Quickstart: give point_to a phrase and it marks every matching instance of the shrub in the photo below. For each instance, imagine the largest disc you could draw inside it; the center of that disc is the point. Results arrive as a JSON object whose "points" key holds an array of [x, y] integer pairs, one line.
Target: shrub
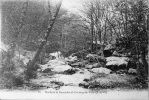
{"points": [[30, 72], [11, 71], [9, 75]]}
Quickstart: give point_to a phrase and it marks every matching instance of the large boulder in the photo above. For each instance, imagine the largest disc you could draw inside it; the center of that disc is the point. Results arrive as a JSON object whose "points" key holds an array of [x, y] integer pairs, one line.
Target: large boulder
{"points": [[56, 65], [101, 70], [110, 81], [132, 71], [109, 47], [113, 58], [90, 66], [115, 53], [61, 68], [115, 63], [95, 57], [56, 62]]}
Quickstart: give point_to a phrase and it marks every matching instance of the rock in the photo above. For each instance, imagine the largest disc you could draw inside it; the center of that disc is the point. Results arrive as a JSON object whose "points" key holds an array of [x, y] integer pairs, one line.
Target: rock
{"points": [[86, 80], [95, 65], [61, 68], [115, 53], [95, 57], [56, 62], [84, 84], [109, 47], [101, 70], [43, 67], [88, 66], [117, 62], [77, 64], [56, 65], [121, 71], [57, 83], [47, 70], [81, 72], [132, 71], [101, 58], [71, 59], [73, 79], [113, 58], [93, 86], [70, 71]]}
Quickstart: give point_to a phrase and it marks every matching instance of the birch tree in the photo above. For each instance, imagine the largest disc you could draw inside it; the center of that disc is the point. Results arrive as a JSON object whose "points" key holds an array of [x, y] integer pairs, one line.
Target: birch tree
{"points": [[51, 23]]}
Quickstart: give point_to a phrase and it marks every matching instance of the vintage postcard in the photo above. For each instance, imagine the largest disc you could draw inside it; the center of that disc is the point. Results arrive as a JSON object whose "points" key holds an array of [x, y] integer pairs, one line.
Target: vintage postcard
{"points": [[74, 49]]}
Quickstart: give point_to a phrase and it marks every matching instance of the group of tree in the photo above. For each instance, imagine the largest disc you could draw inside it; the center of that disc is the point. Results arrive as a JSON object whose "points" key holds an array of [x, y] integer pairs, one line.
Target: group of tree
{"points": [[39, 26], [46, 27], [123, 21]]}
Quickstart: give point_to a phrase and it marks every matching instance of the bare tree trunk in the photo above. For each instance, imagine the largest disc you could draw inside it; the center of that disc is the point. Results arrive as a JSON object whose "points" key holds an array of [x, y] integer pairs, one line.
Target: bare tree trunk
{"points": [[144, 62], [96, 44], [46, 37], [92, 27], [65, 41], [148, 40], [111, 35], [92, 31], [104, 38], [61, 39]]}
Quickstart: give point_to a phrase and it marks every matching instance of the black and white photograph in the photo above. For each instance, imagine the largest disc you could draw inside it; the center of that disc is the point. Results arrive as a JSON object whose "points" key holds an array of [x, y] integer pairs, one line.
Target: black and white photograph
{"points": [[74, 49]]}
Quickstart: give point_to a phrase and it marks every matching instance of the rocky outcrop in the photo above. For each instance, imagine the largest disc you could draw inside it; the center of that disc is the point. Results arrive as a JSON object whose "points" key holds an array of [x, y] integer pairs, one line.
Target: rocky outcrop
{"points": [[56, 65], [115, 63]]}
